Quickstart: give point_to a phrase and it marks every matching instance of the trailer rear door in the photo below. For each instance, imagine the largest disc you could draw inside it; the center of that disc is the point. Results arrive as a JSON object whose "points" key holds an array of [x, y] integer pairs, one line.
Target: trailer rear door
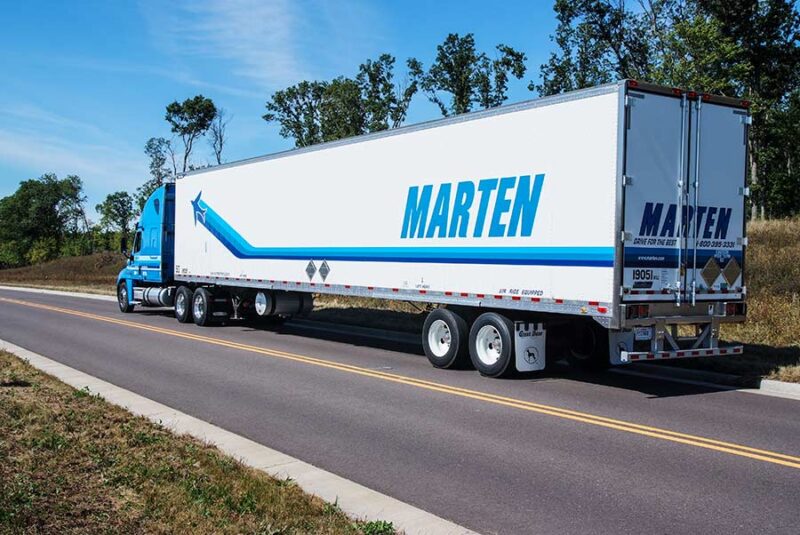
{"points": [[655, 166], [683, 237], [715, 198]]}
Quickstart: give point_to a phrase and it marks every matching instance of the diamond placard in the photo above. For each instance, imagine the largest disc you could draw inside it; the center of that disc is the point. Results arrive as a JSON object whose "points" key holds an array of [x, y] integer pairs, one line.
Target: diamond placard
{"points": [[311, 269], [711, 271]]}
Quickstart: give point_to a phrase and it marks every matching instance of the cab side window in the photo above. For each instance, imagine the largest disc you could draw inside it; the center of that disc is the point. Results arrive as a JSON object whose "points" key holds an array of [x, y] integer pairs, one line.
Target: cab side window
{"points": [[137, 243]]}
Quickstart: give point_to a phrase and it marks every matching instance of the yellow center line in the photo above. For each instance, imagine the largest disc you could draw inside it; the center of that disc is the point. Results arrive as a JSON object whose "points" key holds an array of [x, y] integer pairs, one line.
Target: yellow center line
{"points": [[587, 418]]}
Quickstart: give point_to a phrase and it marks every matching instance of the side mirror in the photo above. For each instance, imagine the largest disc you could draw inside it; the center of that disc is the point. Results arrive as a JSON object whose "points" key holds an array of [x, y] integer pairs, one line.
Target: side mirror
{"points": [[123, 246]]}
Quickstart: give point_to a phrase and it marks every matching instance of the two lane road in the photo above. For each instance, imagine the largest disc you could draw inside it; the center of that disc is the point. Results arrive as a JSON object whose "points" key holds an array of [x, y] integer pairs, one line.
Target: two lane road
{"points": [[552, 454]]}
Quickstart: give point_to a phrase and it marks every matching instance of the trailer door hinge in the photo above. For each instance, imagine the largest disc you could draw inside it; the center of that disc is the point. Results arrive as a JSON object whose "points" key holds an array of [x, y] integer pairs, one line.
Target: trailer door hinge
{"points": [[626, 236], [744, 191], [741, 241], [747, 119], [627, 180]]}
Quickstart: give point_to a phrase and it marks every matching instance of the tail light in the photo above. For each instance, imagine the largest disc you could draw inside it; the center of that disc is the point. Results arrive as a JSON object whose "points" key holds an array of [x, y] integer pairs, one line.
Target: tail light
{"points": [[637, 311], [735, 309]]}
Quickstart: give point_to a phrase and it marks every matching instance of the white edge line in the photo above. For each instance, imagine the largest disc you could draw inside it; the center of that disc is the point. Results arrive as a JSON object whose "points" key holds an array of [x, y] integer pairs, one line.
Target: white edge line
{"points": [[768, 387], [357, 501], [84, 295]]}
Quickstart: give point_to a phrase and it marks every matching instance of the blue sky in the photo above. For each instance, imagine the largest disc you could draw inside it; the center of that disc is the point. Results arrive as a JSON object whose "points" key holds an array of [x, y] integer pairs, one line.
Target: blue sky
{"points": [[84, 84]]}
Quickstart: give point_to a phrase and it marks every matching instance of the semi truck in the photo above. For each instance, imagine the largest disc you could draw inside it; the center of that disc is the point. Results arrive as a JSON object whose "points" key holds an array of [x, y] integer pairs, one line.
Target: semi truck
{"points": [[605, 226]]}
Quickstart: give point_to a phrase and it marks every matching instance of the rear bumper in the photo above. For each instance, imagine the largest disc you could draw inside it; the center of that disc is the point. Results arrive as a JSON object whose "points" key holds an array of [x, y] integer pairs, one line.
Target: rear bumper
{"points": [[627, 357], [666, 338]]}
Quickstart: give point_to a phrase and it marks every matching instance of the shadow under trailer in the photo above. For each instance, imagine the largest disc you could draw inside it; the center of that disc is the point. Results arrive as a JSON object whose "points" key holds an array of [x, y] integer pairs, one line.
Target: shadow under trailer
{"points": [[605, 225]]}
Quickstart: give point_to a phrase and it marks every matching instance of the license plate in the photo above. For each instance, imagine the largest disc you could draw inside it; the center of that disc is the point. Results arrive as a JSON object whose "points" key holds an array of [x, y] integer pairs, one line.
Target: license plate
{"points": [[642, 333]]}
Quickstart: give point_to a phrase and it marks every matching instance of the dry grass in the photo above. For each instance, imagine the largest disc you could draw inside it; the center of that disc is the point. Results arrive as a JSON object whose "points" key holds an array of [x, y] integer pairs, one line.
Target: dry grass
{"points": [[771, 334], [97, 271], [72, 463]]}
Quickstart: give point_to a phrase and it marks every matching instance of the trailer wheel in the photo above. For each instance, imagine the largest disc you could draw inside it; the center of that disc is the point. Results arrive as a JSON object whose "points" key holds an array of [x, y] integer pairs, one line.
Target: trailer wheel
{"points": [[587, 347], [202, 303], [183, 304], [124, 302], [491, 345], [445, 338]]}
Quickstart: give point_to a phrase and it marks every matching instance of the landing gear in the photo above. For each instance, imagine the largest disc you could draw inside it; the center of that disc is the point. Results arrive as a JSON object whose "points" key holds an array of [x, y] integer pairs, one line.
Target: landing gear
{"points": [[445, 338]]}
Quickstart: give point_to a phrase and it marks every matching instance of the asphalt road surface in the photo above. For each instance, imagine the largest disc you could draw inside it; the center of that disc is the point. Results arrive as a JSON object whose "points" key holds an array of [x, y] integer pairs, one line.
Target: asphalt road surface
{"points": [[559, 453]]}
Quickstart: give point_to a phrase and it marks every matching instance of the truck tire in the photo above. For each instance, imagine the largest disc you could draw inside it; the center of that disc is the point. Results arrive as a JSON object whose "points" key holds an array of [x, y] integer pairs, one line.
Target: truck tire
{"points": [[202, 303], [183, 304], [491, 345], [444, 338], [587, 346], [123, 300]]}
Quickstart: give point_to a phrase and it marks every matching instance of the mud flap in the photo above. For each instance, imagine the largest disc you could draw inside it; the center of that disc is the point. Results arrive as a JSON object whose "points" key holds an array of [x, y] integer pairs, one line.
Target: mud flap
{"points": [[619, 343], [529, 341]]}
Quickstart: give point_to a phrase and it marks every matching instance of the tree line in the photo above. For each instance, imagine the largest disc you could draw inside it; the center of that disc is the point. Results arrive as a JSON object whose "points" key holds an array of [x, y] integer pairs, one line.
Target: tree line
{"points": [[740, 48]]}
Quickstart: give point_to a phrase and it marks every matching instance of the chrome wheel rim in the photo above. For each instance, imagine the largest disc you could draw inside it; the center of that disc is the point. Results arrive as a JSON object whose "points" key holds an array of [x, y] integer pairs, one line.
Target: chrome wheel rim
{"points": [[123, 295], [488, 345], [198, 306], [180, 304], [439, 338]]}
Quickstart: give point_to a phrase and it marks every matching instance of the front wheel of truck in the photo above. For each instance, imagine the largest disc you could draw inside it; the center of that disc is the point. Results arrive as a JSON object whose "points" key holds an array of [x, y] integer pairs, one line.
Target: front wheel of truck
{"points": [[123, 301]]}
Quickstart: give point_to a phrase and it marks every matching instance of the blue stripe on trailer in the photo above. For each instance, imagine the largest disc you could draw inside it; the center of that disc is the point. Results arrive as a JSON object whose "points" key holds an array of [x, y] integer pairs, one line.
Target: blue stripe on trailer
{"points": [[536, 256]]}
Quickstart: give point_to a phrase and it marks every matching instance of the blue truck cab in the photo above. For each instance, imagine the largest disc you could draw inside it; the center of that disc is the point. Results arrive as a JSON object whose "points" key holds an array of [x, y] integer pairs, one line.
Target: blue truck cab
{"points": [[148, 276]]}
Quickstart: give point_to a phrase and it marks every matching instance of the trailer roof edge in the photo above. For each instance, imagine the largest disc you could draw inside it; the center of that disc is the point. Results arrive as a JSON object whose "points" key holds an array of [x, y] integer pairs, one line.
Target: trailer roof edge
{"points": [[425, 125]]}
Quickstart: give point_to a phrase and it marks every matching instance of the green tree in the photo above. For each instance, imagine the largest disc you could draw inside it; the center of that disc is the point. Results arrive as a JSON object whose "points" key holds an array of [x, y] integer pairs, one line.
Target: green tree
{"points": [[219, 134], [767, 33], [37, 219], [163, 168], [116, 212], [190, 119], [298, 111], [385, 103], [746, 48], [470, 77], [312, 112]]}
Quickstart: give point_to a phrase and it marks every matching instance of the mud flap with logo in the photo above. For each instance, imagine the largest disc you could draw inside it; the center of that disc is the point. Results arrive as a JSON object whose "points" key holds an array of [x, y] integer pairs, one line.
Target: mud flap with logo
{"points": [[529, 341]]}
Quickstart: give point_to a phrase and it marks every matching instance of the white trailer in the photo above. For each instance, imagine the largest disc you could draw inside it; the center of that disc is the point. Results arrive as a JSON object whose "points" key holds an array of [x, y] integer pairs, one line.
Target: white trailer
{"points": [[588, 225]]}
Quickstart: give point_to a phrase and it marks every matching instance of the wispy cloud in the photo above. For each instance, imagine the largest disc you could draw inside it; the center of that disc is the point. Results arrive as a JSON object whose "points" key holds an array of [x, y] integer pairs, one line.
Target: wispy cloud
{"points": [[256, 38], [271, 43], [32, 137]]}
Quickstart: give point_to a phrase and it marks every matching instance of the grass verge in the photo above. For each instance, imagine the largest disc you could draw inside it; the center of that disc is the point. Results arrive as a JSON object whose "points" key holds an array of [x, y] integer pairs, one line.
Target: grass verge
{"points": [[771, 335], [73, 463]]}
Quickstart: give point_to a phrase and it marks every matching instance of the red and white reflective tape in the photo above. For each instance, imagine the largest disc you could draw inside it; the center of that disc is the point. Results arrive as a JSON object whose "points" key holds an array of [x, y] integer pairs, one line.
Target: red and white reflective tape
{"points": [[637, 356]]}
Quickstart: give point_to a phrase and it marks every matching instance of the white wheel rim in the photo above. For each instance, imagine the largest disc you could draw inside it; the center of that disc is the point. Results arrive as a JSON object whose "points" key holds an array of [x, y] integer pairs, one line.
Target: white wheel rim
{"points": [[198, 307], [123, 295], [439, 338], [261, 303], [180, 304], [488, 345]]}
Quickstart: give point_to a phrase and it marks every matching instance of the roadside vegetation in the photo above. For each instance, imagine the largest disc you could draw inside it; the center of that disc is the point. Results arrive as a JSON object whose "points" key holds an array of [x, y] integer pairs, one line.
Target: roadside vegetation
{"points": [[73, 463], [771, 334]]}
